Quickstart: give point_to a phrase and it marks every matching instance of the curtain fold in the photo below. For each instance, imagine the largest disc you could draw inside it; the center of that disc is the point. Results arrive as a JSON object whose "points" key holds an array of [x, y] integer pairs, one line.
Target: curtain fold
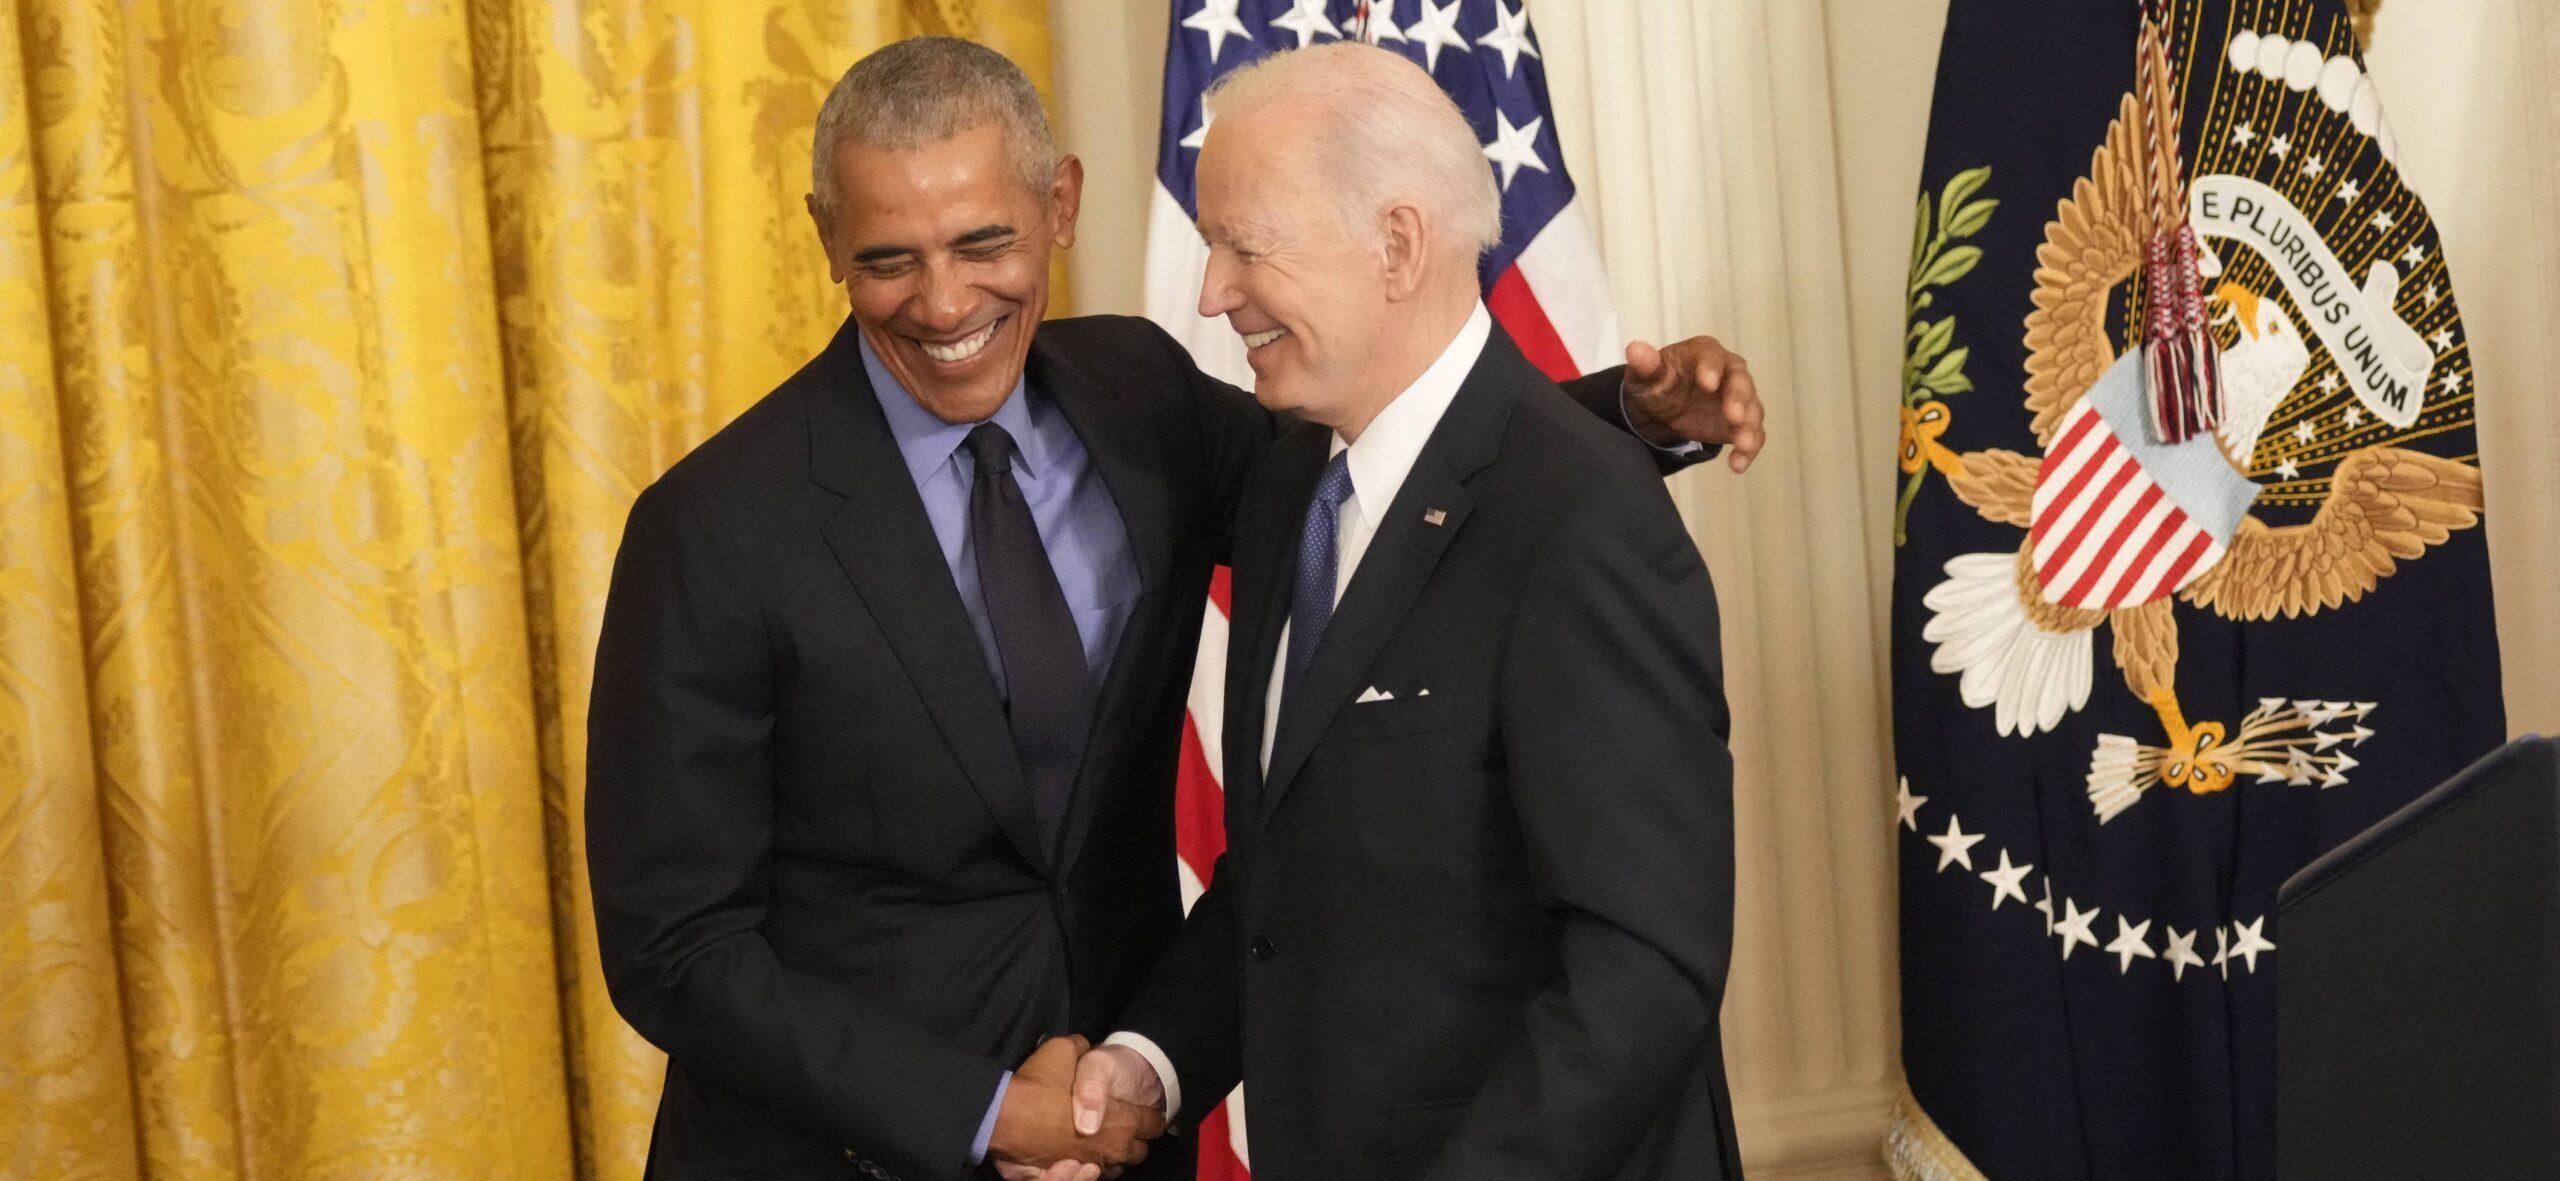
{"points": [[1702, 133], [337, 340]]}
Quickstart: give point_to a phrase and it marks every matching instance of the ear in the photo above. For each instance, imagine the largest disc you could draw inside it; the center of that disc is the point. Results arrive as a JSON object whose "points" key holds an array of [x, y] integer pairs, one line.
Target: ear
{"points": [[1066, 196], [826, 237], [1405, 243]]}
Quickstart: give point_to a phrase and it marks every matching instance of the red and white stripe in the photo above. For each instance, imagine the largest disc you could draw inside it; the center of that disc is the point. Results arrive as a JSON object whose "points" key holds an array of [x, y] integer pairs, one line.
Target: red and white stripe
{"points": [[2105, 535], [1200, 835]]}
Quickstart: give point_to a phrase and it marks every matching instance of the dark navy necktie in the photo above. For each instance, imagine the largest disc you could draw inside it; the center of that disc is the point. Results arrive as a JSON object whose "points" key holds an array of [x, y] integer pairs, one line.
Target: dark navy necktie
{"points": [[1311, 596], [1048, 688]]}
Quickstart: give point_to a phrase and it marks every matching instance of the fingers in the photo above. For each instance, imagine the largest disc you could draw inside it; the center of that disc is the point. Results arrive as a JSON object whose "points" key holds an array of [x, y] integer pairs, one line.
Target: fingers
{"points": [[1095, 1076], [1743, 409], [1017, 1171], [1065, 1170], [1644, 362], [1147, 1122], [1710, 364]]}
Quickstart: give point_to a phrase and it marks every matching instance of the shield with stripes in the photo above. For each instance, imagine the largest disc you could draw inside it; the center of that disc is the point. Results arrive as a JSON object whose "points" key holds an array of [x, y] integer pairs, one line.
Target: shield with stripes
{"points": [[2120, 519]]}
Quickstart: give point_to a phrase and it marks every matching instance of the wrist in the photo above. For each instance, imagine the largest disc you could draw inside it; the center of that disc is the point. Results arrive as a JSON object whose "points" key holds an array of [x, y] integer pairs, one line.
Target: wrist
{"points": [[1017, 1118], [1650, 429]]}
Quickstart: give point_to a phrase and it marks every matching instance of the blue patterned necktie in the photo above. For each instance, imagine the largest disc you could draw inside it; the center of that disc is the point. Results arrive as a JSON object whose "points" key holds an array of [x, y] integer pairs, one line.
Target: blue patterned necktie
{"points": [[1311, 596]]}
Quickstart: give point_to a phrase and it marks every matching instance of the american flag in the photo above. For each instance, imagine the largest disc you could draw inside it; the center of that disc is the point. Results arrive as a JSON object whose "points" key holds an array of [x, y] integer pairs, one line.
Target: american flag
{"points": [[1543, 283]]}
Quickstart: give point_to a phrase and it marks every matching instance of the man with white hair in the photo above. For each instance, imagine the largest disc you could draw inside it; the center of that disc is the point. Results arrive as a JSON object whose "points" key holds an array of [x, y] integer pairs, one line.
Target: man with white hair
{"points": [[889, 695], [1476, 905]]}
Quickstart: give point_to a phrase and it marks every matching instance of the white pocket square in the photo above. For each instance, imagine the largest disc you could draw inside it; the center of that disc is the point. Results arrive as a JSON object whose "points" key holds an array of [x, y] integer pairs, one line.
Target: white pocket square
{"points": [[1372, 693]]}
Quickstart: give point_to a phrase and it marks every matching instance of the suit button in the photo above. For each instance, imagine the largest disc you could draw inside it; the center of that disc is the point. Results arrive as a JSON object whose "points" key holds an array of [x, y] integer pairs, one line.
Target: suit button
{"points": [[1262, 949]]}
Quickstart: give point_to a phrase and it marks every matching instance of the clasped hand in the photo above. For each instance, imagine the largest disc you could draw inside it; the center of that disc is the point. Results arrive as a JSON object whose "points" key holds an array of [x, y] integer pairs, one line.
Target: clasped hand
{"points": [[1073, 1113]]}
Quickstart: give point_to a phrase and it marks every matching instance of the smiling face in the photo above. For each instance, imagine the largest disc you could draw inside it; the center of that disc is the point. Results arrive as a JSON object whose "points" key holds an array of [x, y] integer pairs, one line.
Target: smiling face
{"points": [[944, 254], [1308, 294]]}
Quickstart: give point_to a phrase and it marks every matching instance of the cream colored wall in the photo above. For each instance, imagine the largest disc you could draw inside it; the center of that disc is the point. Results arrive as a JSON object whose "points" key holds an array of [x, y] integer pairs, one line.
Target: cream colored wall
{"points": [[1775, 213], [1107, 63], [2470, 86]]}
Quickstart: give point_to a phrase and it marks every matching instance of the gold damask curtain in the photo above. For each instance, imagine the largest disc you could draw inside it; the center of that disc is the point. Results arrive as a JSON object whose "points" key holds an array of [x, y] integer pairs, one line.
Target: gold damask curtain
{"points": [[335, 339]]}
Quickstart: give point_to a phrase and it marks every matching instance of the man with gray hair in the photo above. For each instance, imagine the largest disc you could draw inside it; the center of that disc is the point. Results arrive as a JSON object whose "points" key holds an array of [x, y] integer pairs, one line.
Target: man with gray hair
{"points": [[889, 695], [1476, 905]]}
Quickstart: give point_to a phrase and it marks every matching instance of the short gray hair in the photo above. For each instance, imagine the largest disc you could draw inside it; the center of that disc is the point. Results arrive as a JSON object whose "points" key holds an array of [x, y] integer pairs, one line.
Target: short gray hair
{"points": [[1390, 134], [924, 90]]}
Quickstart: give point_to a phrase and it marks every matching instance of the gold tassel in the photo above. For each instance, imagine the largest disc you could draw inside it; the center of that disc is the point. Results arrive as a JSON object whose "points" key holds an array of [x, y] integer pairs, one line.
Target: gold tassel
{"points": [[2361, 12]]}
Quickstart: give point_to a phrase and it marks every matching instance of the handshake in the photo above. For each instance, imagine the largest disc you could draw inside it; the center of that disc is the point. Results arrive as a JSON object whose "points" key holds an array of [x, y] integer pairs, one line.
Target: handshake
{"points": [[1074, 1113]]}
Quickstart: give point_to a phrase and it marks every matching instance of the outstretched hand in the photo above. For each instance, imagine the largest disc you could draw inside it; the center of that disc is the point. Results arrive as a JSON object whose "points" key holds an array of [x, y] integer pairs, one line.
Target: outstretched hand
{"points": [[1036, 1136], [1114, 1077], [1699, 391]]}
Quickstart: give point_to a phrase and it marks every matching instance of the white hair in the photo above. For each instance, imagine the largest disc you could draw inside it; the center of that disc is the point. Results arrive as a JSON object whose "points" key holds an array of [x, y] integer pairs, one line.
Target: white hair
{"points": [[924, 90], [1390, 134]]}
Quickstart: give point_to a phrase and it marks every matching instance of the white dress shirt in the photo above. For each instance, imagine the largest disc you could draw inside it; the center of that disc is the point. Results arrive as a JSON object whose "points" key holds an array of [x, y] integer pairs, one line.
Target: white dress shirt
{"points": [[1378, 463]]}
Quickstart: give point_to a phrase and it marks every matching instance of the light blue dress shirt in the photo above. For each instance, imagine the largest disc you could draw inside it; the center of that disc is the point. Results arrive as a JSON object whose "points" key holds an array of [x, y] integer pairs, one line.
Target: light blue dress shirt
{"points": [[1079, 525], [1071, 507]]}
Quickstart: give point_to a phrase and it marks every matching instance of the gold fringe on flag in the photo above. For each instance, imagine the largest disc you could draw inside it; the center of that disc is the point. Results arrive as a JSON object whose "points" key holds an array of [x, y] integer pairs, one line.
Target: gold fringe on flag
{"points": [[1916, 1150], [2361, 12]]}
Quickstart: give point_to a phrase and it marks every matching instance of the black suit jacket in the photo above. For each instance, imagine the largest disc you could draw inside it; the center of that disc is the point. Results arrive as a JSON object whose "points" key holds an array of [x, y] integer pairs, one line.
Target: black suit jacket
{"points": [[817, 881], [1479, 932]]}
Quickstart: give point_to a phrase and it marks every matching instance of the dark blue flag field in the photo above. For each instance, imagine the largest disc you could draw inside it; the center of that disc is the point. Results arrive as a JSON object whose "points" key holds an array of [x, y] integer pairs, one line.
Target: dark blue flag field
{"points": [[2190, 580]]}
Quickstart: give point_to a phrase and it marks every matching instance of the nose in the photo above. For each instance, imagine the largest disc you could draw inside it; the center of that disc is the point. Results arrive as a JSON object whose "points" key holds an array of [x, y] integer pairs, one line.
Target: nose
{"points": [[1218, 295], [944, 299]]}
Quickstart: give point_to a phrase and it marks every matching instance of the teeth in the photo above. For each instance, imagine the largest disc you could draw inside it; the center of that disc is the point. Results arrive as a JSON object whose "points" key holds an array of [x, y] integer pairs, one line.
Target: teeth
{"points": [[1255, 340], [963, 349]]}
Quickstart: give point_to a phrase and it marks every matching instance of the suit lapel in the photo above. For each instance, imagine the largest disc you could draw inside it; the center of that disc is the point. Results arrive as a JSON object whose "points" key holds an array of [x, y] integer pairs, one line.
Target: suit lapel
{"points": [[1124, 446], [885, 544], [1401, 556], [1266, 557]]}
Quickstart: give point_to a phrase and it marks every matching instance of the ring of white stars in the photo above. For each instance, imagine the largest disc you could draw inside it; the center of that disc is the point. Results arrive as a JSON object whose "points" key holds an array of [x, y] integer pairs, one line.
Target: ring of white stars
{"points": [[1514, 148], [1218, 19], [2075, 925], [1436, 28]]}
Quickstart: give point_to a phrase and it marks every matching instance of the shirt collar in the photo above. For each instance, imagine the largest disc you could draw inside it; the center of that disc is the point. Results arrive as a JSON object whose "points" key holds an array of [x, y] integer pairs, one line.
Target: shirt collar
{"points": [[1394, 439], [926, 442]]}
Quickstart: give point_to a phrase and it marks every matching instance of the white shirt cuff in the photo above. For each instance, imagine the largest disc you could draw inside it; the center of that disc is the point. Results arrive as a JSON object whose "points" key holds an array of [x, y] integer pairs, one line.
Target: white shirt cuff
{"points": [[1147, 1049]]}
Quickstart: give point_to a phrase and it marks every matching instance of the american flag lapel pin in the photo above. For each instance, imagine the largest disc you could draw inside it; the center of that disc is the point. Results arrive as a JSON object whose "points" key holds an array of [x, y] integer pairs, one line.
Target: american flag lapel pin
{"points": [[1433, 516]]}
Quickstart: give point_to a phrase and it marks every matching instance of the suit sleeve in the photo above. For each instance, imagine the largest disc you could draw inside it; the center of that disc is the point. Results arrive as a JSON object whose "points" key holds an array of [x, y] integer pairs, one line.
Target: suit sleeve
{"points": [[1602, 394], [1191, 1005], [680, 827], [1234, 428], [1612, 711]]}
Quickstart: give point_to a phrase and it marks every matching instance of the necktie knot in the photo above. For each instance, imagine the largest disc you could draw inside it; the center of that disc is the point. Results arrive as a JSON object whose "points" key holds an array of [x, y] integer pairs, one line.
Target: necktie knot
{"points": [[1334, 486], [992, 447]]}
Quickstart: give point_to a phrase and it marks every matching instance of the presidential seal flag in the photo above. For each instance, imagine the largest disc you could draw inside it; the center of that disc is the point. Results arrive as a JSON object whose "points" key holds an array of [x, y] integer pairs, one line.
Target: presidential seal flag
{"points": [[2190, 583]]}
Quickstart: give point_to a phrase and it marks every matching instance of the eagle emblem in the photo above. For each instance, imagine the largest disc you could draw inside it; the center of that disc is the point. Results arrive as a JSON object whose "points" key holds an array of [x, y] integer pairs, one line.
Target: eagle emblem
{"points": [[2120, 526]]}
